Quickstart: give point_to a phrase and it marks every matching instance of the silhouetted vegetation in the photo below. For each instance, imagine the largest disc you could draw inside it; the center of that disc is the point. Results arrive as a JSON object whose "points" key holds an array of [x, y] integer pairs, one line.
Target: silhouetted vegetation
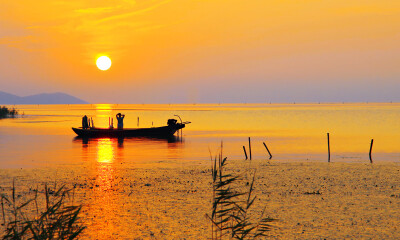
{"points": [[5, 112], [231, 206], [56, 219]]}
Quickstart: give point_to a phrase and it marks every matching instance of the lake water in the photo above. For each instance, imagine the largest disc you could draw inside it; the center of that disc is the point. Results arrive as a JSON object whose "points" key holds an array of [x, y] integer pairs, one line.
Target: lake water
{"points": [[141, 188], [292, 132]]}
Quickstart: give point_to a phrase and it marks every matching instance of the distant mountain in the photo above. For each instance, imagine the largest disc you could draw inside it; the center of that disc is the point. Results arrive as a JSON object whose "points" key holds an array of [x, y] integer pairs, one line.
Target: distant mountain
{"points": [[43, 98]]}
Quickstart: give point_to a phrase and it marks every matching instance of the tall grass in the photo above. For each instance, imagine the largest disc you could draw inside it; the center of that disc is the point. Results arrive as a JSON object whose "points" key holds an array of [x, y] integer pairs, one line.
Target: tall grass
{"points": [[56, 220], [6, 112], [231, 206]]}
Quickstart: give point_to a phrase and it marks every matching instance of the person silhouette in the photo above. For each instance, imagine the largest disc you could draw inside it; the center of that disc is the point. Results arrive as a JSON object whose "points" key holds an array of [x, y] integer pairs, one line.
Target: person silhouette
{"points": [[120, 118], [85, 124]]}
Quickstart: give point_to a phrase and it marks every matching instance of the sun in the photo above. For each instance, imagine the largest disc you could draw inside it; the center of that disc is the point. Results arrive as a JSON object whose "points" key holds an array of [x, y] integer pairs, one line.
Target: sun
{"points": [[103, 63]]}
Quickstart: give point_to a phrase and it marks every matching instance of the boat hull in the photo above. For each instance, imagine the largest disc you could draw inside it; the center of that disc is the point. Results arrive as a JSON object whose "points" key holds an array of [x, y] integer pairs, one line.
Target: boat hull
{"points": [[166, 131]]}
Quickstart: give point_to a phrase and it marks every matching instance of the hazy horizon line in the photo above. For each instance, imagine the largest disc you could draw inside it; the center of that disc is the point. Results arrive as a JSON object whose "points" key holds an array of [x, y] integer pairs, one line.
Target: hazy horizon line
{"points": [[212, 103]]}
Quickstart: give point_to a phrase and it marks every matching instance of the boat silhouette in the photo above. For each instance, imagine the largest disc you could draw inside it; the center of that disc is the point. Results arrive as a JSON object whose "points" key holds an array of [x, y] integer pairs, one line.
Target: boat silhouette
{"points": [[163, 131]]}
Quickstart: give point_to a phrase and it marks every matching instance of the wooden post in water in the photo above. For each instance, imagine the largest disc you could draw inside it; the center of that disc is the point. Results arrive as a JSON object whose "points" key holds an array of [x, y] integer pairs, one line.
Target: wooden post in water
{"points": [[270, 155], [370, 150], [250, 148], [222, 147], [138, 121], [245, 153], [329, 150]]}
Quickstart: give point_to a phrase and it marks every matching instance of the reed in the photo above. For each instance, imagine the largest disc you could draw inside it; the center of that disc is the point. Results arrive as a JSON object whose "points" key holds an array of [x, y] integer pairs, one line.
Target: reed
{"points": [[6, 112], [56, 219], [231, 206]]}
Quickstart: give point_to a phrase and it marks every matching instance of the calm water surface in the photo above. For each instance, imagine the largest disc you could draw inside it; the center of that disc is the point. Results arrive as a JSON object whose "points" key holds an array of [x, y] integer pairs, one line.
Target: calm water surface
{"points": [[138, 187], [43, 136]]}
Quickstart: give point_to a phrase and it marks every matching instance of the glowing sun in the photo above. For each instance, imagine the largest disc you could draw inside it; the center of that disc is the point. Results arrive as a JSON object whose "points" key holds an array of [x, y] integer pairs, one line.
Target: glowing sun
{"points": [[103, 63]]}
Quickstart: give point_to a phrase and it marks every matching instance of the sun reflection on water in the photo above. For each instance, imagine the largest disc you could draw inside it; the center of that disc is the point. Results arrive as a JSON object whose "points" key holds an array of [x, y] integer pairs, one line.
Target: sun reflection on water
{"points": [[105, 150], [112, 203], [104, 107], [104, 200], [105, 158]]}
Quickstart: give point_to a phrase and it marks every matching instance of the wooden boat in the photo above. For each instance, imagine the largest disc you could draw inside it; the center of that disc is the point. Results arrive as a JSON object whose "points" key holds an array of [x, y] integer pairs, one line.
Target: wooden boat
{"points": [[165, 131], [121, 140]]}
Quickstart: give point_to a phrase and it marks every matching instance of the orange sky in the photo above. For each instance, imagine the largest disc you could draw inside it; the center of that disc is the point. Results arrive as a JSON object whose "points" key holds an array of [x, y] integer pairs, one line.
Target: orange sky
{"points": [[203, 50]]}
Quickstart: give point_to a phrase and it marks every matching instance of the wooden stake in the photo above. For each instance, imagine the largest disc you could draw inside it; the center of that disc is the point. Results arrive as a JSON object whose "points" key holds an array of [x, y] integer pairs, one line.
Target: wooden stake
{"points": [[329, 150], [245, 153], [370, 150], [250, 148], [270, 155]]}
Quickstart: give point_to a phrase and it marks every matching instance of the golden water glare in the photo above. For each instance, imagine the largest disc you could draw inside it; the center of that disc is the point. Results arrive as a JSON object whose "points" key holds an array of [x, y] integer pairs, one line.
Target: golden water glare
{"points": [[104, 200], [105, 151]]}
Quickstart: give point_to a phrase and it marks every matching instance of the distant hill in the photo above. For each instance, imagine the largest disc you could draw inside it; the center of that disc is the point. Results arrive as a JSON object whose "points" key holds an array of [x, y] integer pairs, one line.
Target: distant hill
{"points": [[43, 98]]}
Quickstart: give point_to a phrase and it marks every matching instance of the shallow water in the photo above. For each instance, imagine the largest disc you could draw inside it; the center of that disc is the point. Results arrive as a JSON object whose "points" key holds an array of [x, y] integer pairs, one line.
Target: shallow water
{"points": [[43, 135], [145, 188]]}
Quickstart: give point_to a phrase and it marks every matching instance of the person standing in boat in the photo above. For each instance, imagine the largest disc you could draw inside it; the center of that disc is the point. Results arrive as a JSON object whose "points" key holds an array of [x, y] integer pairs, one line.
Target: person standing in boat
{"points": [[120, 118]]}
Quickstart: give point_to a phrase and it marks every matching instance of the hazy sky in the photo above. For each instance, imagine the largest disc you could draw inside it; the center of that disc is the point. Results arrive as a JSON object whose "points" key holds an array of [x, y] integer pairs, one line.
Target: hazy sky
{"points": [[203, 50]]}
